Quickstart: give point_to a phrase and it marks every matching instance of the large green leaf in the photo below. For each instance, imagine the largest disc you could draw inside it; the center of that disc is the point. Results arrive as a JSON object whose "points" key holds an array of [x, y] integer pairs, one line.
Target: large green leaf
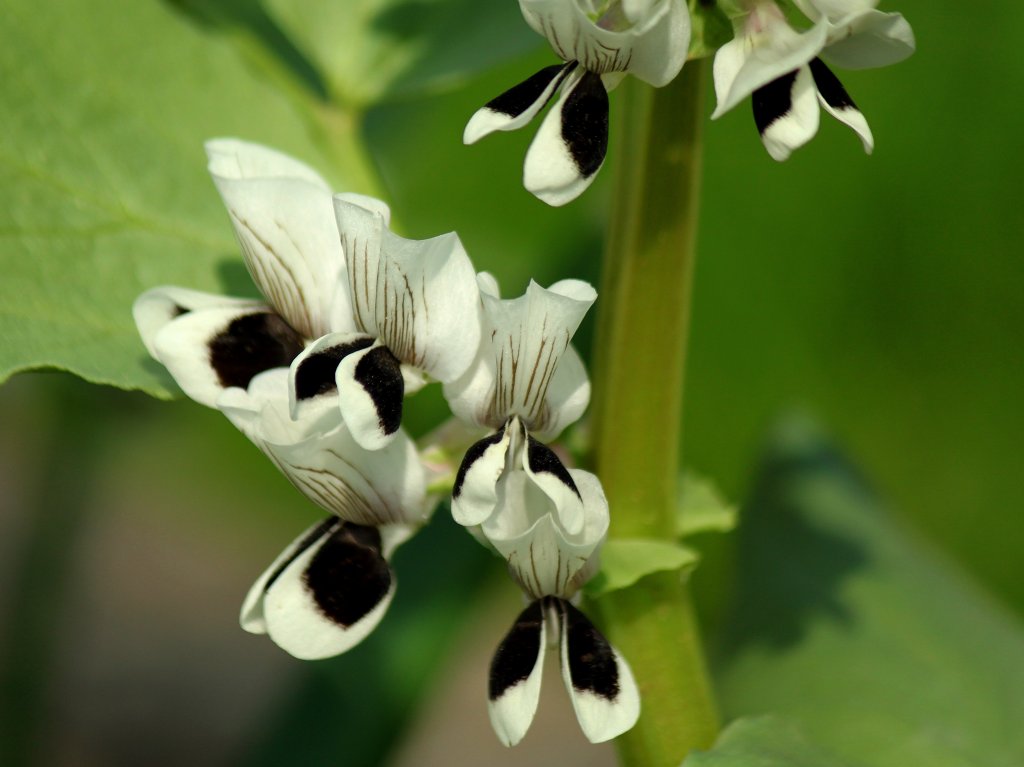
{"points": [[368, 49], [879, 648], [762, 741], [104, 191]]}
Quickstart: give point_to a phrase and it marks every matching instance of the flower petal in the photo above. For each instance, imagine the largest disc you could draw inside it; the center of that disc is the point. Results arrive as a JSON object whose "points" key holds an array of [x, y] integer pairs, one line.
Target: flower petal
{"points": [[870, 39], [648, 38], [568, 395], [319, 455], [786, 113], [210, 350], [370, 392], [475, 493], [288, 235], [330, 592], [234, 158], [526, 529], [513, 689], [518, 105], [749, 61], [530, 335], [598, 679], [419, 297], [837, 102], [313, 374], [549, 474], [571, 144], [158, 306]]}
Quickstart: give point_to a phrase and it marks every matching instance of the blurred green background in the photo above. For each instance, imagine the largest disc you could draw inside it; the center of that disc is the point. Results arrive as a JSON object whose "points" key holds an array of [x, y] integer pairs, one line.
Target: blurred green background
{"points": [[881, 294]]}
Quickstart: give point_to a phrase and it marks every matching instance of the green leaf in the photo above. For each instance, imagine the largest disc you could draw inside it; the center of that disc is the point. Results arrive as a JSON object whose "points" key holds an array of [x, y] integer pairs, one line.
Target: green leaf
{"points": [[763, 741], [845, 622], [711, 29], [103, 186], [368, 49], [702, 509], [624, 561]]}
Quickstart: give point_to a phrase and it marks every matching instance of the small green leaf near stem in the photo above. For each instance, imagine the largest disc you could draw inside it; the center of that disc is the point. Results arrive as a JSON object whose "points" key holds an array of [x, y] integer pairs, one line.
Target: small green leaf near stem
{"points": [[638, 384]]}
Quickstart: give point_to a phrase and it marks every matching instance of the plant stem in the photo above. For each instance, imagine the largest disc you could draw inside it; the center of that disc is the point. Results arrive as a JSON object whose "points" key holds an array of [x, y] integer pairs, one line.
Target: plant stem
{"points": [[638, 395]]}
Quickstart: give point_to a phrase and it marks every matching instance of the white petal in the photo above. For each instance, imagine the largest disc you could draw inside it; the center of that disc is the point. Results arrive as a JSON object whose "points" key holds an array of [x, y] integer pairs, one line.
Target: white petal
{"points": [[475, 493], [330, 595], [234, 158], [786, 113], [289, 240], [526, 530], [517, 106], [650, 39], [598, 679], [870, 39], [570, 146], [312, 378], [158, 306], [547, 471], [753, 59], [251, 617], [370, 393], [837, 102], [515, 675], [213, 349], [321, 458], [529, 336], [833, 9], [568, 395]]}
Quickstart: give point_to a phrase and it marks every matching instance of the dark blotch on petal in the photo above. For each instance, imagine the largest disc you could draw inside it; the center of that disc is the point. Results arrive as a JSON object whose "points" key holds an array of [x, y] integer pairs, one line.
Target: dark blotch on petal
{"points": [[380, 373], [348, 576], [829, 87], [517, 654], [312, 537], [543, 458], [519, 98], [592, 666], [316, 374], [585, 123], [773, 100], [251, 344], [476, 450]]}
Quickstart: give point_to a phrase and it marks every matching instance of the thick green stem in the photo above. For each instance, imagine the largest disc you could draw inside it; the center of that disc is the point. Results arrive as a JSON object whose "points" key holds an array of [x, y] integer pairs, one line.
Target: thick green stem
{"points": [[638, 395]]}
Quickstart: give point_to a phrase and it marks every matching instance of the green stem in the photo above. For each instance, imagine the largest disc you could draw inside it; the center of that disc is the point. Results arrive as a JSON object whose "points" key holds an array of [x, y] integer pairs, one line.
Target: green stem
{"points": [[638, 394]]}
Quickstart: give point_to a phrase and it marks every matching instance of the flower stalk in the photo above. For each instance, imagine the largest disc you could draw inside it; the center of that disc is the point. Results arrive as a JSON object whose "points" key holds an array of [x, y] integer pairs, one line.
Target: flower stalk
{"points": [[637, 407]]}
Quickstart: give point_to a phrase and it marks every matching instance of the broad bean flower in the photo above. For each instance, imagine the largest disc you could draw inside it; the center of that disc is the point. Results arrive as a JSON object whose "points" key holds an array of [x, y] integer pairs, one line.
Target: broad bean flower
{"points": [[547, 521], [599, 42], [784, 69], [238, 355]]}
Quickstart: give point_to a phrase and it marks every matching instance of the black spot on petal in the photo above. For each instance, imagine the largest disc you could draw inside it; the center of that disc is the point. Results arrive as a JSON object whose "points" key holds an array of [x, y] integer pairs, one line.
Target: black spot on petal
{"points": [[543, 459], [592, 666], [829, 87], [519, 98], [315, 374], [251, 344], [475, 452], [773, 101], [517, 654], [348, 576], [585, 123], [380, 373], [308, 540]]}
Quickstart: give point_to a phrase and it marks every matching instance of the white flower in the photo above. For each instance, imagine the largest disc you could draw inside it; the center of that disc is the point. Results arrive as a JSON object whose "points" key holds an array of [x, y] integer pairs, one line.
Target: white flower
{"points": [[235, 354], [600, 42], [781, 68], [601, 687], [414, 313]]}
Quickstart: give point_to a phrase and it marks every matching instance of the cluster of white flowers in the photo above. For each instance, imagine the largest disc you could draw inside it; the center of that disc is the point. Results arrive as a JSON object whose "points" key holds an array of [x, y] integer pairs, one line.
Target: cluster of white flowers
{"points": [[354, 318], [600, 41]]}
